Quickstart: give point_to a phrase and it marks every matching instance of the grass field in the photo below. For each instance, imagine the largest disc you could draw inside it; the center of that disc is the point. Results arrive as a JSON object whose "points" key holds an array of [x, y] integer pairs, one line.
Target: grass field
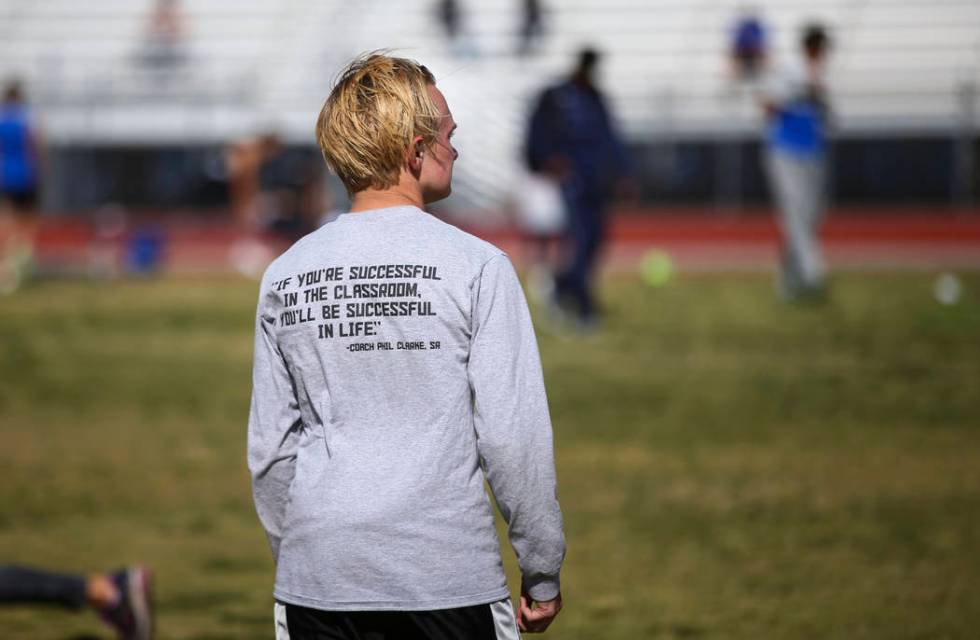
{"points": [[729, 467]]}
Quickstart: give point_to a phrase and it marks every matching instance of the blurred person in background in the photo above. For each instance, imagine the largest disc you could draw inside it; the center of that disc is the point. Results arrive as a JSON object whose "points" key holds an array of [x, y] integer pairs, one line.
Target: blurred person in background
{"points": [[242, 161], [452, 18], [282, 180], [797, 111], [539, 208], [531, 30], [288, 181], [163, 45], [448, 13], [373, 430], [123, 599], [748, 47], [571, 139], [21, 160], [274, 188]]}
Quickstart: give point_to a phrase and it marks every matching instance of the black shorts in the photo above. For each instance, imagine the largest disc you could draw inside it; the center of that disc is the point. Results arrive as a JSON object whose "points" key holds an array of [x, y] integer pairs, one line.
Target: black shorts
{"points": [[20, 199], [494, 621]]}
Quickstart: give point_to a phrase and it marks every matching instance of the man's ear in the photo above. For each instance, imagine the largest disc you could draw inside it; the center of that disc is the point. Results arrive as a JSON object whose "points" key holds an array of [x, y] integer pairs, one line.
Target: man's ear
{"points": [[415, 154]]}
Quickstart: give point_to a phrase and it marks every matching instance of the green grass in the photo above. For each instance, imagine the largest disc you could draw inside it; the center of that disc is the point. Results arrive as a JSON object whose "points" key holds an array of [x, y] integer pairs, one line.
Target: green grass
{"points": [[729, 467]]}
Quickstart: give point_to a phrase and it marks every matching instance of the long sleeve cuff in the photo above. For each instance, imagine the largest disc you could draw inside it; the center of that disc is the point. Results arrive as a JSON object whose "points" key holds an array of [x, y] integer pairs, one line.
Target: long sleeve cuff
{"points": [[543, 588]]}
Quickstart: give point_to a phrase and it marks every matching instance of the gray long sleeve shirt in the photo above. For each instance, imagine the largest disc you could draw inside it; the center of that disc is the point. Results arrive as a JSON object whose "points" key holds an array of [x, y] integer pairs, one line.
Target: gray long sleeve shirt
{"points": [[395, 368]]}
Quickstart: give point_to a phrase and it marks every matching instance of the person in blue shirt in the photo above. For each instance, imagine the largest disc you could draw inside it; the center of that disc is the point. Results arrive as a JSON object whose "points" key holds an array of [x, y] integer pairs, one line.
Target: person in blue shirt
{"points": [[19, 166], [20, 163], [748, 46], [797, 112], [572, 140]]}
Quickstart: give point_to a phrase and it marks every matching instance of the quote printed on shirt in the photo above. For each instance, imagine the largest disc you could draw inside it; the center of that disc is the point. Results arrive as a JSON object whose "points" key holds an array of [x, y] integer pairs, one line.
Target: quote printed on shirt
{"points": [[352, 301]]}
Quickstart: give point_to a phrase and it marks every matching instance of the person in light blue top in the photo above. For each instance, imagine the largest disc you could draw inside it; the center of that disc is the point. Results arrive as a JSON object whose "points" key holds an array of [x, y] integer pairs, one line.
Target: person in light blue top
{"points": [[797, 113]]}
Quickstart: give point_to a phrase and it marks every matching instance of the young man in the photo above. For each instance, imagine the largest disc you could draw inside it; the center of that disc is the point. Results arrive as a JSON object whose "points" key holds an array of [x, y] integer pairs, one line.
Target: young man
{"points": [[796, 106], [395, 368]]}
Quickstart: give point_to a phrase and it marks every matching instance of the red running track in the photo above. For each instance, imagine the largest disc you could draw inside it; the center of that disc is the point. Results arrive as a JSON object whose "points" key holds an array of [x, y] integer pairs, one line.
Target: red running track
{"points": [[697, 239]]}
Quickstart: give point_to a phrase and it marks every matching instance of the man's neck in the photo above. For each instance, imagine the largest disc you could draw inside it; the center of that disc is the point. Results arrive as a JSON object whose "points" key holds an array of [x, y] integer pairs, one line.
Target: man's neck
{"points": [[396, 196]]}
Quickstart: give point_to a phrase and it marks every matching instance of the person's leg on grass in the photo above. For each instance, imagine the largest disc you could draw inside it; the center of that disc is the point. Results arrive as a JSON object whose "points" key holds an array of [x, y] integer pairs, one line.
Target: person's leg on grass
{"points": [[122, 599], [815, 268], [27, 585], [584, 239], [788, 184]]}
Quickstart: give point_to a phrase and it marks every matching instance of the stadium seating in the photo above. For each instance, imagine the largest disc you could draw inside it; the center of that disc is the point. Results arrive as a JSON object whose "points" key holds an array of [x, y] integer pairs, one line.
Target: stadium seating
{"points": [[899, 65]]}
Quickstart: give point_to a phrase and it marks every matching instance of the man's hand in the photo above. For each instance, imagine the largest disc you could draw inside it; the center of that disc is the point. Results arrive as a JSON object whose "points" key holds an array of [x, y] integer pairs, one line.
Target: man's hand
{"points": [[534, 617]]}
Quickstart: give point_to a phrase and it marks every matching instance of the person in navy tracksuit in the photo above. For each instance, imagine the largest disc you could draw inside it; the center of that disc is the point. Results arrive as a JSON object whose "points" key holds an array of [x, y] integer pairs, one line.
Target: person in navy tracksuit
{"points": [[571, 138]]}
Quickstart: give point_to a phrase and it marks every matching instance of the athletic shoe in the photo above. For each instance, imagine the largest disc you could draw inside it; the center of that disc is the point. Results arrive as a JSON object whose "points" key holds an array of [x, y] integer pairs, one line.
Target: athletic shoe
{"points": [[132, 615]]}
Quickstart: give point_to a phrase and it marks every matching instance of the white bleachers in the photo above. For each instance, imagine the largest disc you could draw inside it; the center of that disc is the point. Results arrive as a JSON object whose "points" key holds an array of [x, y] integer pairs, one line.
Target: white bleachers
{"points": [[251, 64]]}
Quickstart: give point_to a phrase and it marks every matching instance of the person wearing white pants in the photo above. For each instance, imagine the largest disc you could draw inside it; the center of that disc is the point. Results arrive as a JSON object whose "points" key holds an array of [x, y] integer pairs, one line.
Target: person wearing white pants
{"points": [[796, 108], [798, 186]]}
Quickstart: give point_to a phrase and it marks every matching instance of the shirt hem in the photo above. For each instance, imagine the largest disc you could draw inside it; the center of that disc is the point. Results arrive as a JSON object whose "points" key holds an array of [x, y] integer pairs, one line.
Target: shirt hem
{"points": [[391, 605]]}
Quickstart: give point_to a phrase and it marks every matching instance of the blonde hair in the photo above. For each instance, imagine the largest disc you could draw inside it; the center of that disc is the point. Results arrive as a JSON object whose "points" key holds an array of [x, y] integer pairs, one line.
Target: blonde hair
{"points": [[379, 104]]}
